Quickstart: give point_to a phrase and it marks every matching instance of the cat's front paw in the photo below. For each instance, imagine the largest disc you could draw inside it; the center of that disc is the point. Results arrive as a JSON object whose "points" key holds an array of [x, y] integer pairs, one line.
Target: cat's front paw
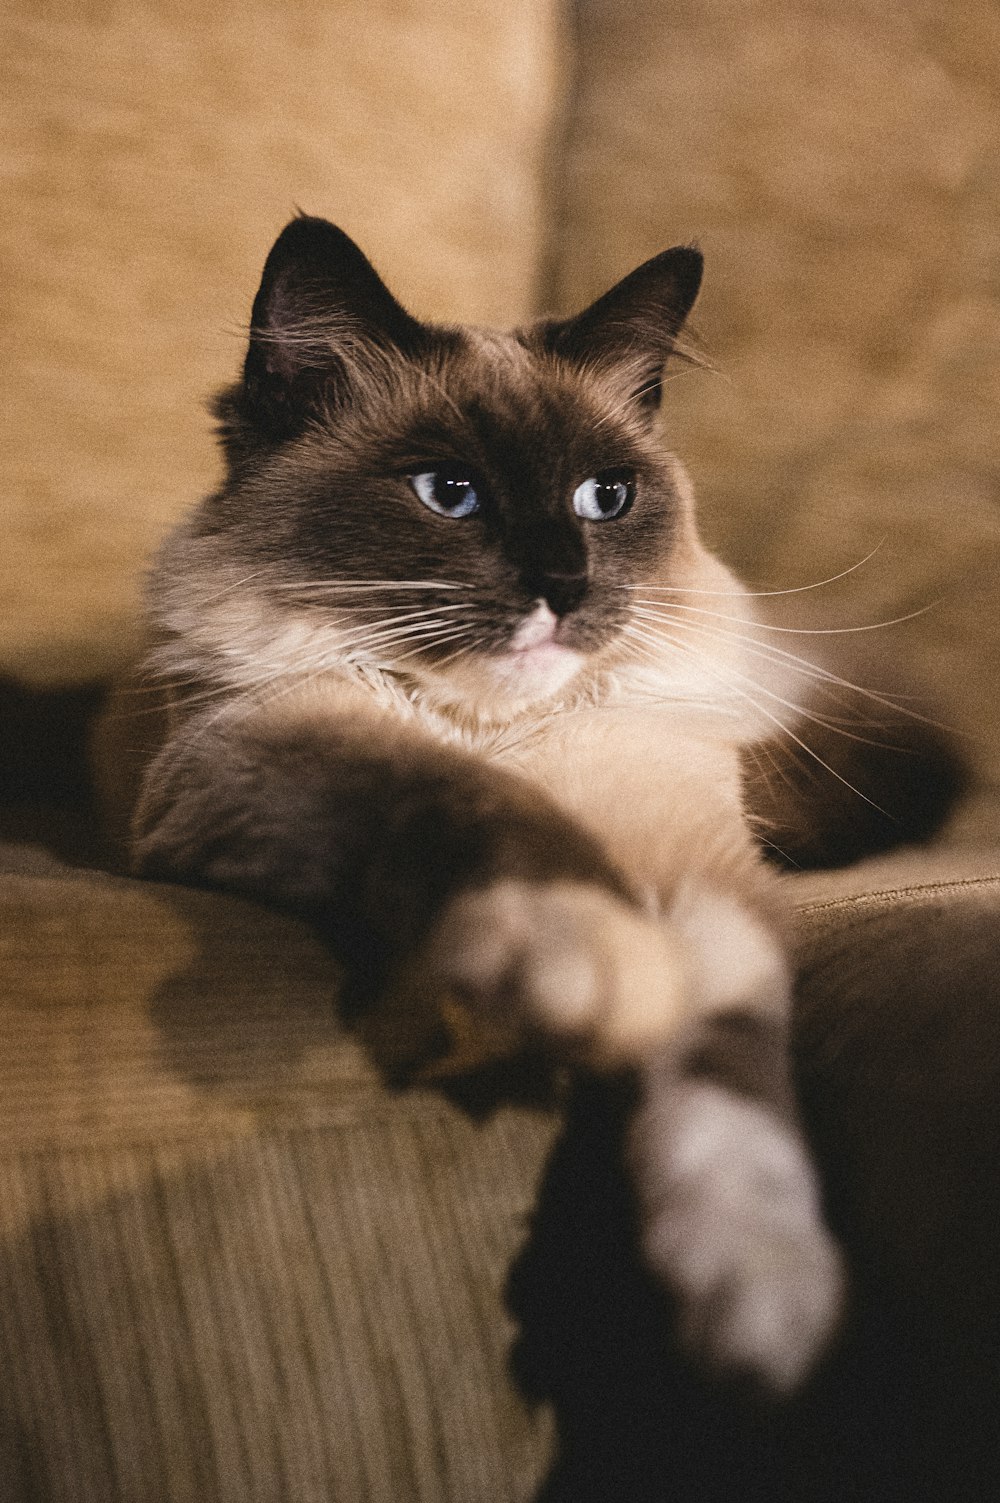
{"points": [[566, 961], [732, 1225]]}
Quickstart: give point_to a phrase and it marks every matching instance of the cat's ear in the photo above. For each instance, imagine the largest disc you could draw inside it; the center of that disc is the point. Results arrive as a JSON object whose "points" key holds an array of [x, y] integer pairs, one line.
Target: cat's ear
{"points": [[320, 301], [635, 326]]}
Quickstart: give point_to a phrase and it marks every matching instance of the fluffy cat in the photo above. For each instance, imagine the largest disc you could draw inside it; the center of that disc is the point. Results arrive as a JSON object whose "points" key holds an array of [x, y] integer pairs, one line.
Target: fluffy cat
{"points": [[440, 683]]}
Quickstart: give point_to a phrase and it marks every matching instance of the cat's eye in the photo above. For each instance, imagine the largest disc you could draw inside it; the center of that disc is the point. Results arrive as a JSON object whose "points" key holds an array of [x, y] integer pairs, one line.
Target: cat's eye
{"points": [[448, 491], [608, 494]]}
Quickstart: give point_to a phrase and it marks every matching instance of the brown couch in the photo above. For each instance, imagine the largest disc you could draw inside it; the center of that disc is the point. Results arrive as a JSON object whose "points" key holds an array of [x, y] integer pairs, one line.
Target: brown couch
{"points": [[233, 1265]]}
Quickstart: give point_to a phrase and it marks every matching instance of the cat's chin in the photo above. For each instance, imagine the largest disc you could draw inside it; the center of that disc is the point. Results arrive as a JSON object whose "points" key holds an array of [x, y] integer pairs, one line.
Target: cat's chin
{"points": [[497, 684], [534, 672]]}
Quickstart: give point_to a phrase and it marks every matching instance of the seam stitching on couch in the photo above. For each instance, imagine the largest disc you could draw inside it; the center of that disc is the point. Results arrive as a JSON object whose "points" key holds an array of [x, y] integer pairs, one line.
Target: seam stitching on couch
{"points": [[889, 895]]}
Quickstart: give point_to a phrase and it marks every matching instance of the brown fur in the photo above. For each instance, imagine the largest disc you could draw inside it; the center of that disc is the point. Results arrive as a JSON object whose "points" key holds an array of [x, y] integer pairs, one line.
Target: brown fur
{"points": [[433, 686]]}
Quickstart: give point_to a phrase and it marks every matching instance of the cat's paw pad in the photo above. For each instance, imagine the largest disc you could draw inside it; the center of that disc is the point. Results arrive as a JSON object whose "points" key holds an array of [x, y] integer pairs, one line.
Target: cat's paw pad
{"points": [[565, 960], [733, 1227]]}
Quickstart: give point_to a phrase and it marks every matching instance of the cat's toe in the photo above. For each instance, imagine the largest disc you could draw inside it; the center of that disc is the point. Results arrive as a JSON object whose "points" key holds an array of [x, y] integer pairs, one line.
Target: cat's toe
{"points": [[565, 960], [501, 954], [732, 1225]]}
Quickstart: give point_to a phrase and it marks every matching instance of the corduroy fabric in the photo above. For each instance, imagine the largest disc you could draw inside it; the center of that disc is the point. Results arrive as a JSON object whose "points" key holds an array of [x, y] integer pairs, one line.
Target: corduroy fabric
{"points": [[233, 1266], [308, 1315]]}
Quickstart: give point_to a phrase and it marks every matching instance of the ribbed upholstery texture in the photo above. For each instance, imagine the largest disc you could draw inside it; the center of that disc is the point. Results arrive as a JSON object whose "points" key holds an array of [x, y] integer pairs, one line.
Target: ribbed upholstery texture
{"points": [[232, 1265]]}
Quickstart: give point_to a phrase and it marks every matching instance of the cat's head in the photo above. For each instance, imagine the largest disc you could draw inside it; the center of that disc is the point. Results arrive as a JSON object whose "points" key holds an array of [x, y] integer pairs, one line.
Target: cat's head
{"points": [[470, 508]]}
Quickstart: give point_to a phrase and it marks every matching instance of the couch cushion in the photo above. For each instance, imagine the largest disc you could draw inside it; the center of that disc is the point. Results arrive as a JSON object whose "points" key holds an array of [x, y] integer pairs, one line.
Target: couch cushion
{"points": [[234, 1266], [898, 1041], [841, 172], [153, 153]]}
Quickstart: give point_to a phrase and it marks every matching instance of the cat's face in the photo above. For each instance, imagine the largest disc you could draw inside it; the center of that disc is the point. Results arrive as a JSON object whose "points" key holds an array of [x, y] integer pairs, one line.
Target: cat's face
{"points": [[469, 508]]}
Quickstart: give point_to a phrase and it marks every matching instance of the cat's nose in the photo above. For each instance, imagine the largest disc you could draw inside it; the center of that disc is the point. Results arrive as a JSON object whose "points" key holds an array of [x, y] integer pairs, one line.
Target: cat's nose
{"points": [[562, 592]]}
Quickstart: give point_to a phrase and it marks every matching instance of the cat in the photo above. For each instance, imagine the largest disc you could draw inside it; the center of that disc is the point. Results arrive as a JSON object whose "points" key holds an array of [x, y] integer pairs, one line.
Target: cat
{"points": [[439, 682]]}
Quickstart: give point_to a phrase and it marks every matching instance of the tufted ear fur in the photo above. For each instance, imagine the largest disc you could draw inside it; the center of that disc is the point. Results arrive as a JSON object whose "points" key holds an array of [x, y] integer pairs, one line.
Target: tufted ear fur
{"points": [[635, 325], [320, 300]]}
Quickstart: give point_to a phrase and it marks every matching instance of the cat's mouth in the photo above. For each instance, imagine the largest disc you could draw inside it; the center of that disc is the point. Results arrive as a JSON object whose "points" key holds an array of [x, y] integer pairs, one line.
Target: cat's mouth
{"points": [[537, 632], [535, 660], [533, 664]]}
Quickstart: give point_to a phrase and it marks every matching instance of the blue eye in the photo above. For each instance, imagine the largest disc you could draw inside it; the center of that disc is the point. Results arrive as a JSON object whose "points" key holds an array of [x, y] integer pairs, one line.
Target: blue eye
{"points": [[605, 495], [448, 491]]}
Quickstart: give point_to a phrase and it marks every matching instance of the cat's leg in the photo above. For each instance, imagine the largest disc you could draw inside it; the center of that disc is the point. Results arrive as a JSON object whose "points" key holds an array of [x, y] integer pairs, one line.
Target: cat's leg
{"points": [[730, 1205], [450, 885], [449, 879]]}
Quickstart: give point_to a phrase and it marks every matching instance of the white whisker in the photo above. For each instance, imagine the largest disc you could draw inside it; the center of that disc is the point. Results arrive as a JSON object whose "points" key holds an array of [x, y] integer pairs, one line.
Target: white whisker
{"points": [[796, 631], [762, 594], [435, 642], [350, 586], [799, 710], [231, 588], [378, 638], [460, 652], [727, 675], [808, 669], [404, 621]]}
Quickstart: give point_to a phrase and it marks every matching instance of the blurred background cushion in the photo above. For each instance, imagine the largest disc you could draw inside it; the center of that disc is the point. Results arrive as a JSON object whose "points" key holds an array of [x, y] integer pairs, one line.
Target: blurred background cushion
{"points": [[151, 156], [840, 168]]}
